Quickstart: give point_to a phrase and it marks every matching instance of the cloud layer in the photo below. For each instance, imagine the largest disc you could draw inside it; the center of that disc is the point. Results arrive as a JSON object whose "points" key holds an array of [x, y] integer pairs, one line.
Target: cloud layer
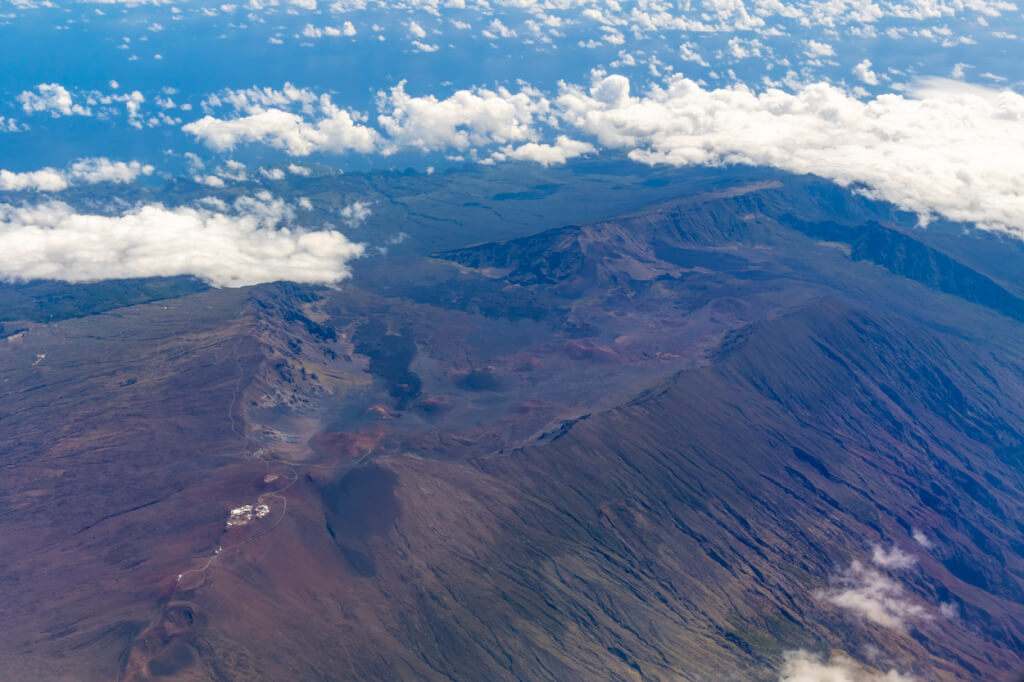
{"points": [[943, 148], [244, 245]]}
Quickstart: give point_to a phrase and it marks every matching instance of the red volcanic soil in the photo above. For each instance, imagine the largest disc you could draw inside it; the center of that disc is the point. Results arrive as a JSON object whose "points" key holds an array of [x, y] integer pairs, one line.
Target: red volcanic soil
{"points": [[345, 445], [584, 349], [475, 484]]}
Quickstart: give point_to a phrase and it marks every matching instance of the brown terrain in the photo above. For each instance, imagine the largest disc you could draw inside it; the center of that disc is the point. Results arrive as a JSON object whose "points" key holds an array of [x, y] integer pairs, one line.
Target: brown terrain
{"points": [[672, 445]]}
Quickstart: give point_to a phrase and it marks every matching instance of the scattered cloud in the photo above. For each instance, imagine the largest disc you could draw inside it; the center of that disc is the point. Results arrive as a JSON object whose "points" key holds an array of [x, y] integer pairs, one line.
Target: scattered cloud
{"points": [[356, 213], [891, 558], [336, 130], [417, 31], [802, 666], [246, 244], [864, 73], [545, 154], [104, 170], [922, 539], [9, 125], [53, 98], [43, 180], [817, 49], [83, 171], [874, 597], [496, 29]]}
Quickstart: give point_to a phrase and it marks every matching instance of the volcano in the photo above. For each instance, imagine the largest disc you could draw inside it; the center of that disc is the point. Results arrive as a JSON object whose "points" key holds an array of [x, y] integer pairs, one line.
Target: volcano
{"points": [[720, 426]]}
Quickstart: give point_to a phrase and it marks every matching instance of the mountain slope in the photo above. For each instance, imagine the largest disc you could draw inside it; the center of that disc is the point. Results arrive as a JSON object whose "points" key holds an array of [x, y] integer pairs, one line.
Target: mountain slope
{"points": [[681, 444]]}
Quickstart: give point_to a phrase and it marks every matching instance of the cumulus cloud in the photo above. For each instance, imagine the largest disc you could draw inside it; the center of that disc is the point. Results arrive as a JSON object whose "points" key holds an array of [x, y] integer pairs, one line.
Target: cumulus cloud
{"points": [[356, 213], [53, 98], [254, 100], [248, 244], [802, 666], [561, 151], [496, 29], [335, 131], [818, 49], [214, 181], [874, 597], [944, 147], [104, 170], [467, 118], [864, 73], [83, 171], [417, 31], [43, 180], [311, 31]]}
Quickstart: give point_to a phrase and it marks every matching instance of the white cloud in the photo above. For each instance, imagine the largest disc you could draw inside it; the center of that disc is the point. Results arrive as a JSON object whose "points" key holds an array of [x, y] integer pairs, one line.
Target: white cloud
{"points": [[335, 131], [104, 170], [356, 213], [214, 181], [496, 29], [743, 49], [245, 246], [864, 73], [802, 666], [83, 171], [688, 52], [922, 539], [546, 154], [958, 70], [873, 596], [944, 148], [416, 31], [9, 125], [311, 31], [891, 558], [53, 98], [295, 169], [272, 173], [817, 49], [43, 180], [468, 118], [254, 100]]}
